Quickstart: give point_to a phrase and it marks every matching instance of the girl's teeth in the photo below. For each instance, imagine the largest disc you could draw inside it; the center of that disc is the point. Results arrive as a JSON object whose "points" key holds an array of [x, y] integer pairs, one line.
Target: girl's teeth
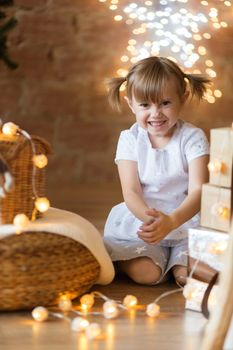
{"points": [[157, 123]]}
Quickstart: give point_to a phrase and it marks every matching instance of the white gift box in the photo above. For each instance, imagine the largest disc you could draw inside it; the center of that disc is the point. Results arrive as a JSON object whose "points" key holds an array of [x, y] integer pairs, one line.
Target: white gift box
{"points": [[208, 246], [198, 289], [194, 304]]}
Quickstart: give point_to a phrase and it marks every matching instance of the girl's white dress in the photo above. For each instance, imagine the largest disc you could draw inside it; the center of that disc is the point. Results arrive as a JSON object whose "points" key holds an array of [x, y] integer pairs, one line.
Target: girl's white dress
{"points": [[164, 176]]}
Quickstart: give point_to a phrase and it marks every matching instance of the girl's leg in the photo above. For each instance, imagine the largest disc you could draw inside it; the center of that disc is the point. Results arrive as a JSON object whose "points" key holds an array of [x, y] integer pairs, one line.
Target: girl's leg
{"points": [[141, 270], [180, 274]]}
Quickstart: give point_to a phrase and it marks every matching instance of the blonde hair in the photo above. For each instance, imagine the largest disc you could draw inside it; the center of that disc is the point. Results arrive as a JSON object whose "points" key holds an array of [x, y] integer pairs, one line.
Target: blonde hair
{"points": [[146, 80]]}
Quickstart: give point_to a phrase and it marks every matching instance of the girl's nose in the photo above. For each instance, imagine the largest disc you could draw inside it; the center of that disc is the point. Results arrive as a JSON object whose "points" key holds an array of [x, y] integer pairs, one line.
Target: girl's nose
{"points": [[154, 110]]}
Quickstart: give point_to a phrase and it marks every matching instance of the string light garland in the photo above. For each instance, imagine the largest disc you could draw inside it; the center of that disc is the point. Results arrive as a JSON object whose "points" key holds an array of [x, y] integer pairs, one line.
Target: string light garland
{"points": [[42, 204], [111, 309], [172, 28]]}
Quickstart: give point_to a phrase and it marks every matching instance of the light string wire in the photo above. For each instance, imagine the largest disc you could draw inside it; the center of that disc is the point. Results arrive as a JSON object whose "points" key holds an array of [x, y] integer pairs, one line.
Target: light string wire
{"points": [[33, 147], [28, 137], [167, 293]]}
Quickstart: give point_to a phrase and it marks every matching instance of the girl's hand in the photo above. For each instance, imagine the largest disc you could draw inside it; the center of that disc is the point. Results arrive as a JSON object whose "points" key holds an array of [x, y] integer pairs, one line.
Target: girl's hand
{"points": [[154, 232]]}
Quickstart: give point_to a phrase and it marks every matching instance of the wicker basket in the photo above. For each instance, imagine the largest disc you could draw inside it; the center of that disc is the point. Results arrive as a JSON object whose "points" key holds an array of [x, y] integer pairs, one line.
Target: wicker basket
{"points": [[17, 153], [36, 268]]}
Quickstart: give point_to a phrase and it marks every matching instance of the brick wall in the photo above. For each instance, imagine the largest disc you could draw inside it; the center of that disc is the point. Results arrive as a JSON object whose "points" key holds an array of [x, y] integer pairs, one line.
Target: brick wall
{"points": [[65, 49]]}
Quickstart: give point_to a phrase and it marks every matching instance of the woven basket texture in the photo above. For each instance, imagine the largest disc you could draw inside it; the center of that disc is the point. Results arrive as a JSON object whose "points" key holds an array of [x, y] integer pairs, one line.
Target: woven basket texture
{"points": [[38, 267], [17, 152]]}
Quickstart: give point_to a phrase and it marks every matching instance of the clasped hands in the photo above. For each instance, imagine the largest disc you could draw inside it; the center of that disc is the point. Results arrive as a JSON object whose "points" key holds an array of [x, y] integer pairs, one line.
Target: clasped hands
{"points": [[157, 228]]}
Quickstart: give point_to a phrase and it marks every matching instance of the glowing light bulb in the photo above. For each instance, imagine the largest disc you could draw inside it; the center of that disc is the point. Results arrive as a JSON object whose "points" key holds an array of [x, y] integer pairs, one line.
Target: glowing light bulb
{"points": [[42, 204], [93, 331], [211, 72], [215, 166], [130, 301], [211, 99], [189, 292], [118, 18], [79, 324], [40, 313], [217, 93], [124, 58], [21, 221], [217, 247], [40, 160], [153, 310], [65, 304], [219, 209], [132, 42], [87, 301], [223, 212], [202, 50], [110, 309], [10, 129], [122, 72], [209, 63]]}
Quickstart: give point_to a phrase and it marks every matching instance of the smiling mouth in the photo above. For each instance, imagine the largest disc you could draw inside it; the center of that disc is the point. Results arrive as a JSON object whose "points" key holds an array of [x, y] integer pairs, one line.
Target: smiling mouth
{"points": [[157, 123]]}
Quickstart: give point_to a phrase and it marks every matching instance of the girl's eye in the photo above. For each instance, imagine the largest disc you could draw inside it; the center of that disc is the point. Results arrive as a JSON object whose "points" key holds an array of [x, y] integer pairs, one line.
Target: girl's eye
{"points": [[144, 105], [165, 103]]}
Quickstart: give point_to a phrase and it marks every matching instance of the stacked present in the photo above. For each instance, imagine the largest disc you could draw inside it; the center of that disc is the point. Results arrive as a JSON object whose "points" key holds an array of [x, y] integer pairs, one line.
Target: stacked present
{"points": [[217, 194], [208, 242]]}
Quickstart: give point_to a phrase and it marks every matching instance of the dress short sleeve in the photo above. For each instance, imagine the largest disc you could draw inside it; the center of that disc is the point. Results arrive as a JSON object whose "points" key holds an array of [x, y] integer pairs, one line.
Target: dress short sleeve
{"points": [[126, 147], [196, 144]]}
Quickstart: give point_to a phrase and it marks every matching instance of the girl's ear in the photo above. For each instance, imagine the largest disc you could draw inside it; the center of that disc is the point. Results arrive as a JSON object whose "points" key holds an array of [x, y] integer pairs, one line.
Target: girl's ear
{"points": [[129, 102]]}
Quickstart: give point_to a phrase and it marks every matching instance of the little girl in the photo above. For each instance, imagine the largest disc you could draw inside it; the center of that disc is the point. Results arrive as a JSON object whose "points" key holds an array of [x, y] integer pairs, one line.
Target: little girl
{"points": [[162, 164]]}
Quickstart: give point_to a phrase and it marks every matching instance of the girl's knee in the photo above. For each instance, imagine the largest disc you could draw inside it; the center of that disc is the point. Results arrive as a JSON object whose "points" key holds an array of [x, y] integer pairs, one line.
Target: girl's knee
{"points": [[142, 270], [180, 274]]}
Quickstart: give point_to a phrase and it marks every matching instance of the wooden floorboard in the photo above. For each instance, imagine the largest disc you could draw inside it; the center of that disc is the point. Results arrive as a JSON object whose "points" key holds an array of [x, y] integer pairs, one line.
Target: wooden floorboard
{"points": [[174, 329]]}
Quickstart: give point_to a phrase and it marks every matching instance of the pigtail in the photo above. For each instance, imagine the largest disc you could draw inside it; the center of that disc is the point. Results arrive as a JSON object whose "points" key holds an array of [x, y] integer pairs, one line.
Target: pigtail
{"points": [[198, 84], [114, 85]]}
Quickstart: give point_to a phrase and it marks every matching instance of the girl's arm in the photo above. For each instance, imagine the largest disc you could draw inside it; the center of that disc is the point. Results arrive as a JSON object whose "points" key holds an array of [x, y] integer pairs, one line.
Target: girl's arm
{"points": [[198, 175], [164, 224], [132, 189]]}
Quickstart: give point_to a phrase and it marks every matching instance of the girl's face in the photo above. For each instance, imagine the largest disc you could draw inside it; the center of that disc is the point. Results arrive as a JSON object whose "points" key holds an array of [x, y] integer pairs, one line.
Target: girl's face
{"points": [[159, 118]]}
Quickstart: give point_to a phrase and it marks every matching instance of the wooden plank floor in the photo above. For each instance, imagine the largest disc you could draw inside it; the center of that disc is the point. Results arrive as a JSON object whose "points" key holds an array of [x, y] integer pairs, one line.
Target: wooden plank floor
{"points": [[175, 328]]}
